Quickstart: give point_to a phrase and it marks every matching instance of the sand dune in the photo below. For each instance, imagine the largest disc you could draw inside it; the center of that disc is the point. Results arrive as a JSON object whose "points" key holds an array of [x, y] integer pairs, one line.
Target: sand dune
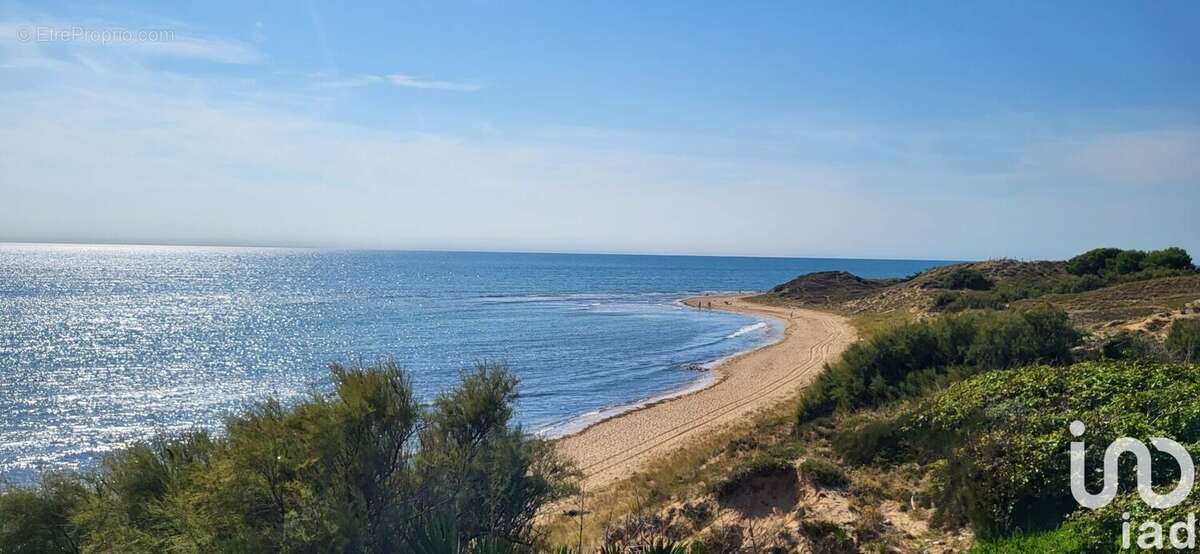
{"points": [[618, 447]]}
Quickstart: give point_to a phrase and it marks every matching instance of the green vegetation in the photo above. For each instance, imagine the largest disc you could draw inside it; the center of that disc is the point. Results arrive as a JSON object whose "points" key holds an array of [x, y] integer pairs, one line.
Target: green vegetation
{"points": [[1095, 269], [828, 538], [996, 442], [965, 278], [1114, 264], [362, 469], [1183, 340], [824, 473], [1128, 345], [967, 414], [1058, 541], [1079, 283], [908, 360], [760, 466]]}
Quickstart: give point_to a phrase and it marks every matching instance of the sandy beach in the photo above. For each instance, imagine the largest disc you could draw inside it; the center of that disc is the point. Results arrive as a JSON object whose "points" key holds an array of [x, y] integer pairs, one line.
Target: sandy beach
{"points": [[616, 448]]}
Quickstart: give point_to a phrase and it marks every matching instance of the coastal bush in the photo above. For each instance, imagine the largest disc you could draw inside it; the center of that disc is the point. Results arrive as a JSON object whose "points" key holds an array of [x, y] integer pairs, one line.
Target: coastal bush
{"points": [[951, 302], [1111, 264], [875, 440], [758, 467], [1128, 345], [1002, 437], [1093, 262], [358, 469], [1183, 340], [907, 360], [1076, 284], [1128, 261], [826, 537], [1011, 339], [1168, 258], [965, 278], [824, 473], [37, 518], [1064, 540]]}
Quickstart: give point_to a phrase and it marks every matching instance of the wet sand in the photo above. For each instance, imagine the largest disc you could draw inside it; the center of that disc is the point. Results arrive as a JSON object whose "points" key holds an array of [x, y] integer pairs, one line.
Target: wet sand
{"points": [[747, 383]]}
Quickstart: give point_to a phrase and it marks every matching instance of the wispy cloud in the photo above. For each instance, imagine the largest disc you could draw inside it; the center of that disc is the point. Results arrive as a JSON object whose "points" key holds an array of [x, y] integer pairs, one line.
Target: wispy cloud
{"points": [[399, 80], [109, 150], [349, 82], [409, 81]]}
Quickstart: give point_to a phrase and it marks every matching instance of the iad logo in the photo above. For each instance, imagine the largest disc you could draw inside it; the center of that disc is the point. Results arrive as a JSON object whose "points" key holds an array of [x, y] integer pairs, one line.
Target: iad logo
{"points": [[1187, 472], [1182, 534]]}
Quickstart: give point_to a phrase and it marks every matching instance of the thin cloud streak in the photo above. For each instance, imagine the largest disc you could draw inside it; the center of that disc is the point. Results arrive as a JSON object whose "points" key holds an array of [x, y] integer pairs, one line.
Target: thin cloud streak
{"points": [[399, 80], [409, 81], [115, 152]]}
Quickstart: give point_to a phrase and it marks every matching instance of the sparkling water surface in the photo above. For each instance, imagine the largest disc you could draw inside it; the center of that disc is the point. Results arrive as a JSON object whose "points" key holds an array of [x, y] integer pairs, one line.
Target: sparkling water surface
{"points": [[104, 345]]}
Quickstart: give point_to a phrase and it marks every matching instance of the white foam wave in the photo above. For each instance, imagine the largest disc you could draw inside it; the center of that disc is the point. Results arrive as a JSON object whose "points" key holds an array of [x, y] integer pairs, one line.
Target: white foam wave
{"points": [[747, 329]]}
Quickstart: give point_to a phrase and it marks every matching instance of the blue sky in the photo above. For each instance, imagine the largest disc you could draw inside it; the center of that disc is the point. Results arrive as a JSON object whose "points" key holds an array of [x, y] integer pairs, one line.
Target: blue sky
{"points": [[916, 130]]}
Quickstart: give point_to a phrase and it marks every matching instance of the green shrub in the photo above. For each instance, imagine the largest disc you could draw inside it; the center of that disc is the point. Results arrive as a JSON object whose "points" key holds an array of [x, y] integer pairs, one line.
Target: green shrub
{"points": [[1157, 273], [910, 359], [38, 519], [951, 302], [1003, 439], [1168, 258], [1012, 339], [965, 278], [1183, 340], [824, 473], [1064, 540], [758, 467], [1077, 284], [1128, 345], [827, 537], [873, 440], [1128, 261], [1092, 262], [337, 472], [1112, 263]]}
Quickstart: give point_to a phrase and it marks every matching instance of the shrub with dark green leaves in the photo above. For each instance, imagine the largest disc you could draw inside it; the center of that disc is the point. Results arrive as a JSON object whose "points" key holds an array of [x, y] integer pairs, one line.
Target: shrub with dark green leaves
{"points": [[1113, 263], [38, 518], [907, 360], [758, 467], [824, 473], [1128, 261], [874, 440], [1003, 438], [1168, 258], [337, 472], [951, 302], [965, 278], [1183, 340], [1128, 345], [827, 537], [1012, 339], [1093, 262], [1077, 284]]}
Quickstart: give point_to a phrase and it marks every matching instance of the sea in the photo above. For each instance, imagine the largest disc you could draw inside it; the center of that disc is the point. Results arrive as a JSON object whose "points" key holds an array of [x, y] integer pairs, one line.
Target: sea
{"points": [[104, 345]]}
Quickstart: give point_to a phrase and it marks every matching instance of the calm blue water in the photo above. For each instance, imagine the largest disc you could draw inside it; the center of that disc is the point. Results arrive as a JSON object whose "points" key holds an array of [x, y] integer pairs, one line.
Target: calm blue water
{"points": [[102, 345]]}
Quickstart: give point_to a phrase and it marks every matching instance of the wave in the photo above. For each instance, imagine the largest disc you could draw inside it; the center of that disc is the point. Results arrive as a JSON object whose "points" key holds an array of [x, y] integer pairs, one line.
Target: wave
{"points": [[574, 424], [747, 329], [571, 425]]}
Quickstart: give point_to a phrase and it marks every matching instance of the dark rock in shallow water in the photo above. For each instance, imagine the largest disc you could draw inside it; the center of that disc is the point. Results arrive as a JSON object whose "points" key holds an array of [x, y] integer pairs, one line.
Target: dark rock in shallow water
{"points": [[695, 367]]}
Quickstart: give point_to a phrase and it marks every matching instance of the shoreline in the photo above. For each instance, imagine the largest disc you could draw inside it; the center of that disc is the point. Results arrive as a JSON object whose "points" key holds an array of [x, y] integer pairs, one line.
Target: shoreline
{"points": [[712, 376], [744, 383]]}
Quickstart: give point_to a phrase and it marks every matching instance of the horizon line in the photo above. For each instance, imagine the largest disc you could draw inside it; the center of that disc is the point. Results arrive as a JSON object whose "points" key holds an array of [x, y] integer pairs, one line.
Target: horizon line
{"points": [[287, 246]]}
